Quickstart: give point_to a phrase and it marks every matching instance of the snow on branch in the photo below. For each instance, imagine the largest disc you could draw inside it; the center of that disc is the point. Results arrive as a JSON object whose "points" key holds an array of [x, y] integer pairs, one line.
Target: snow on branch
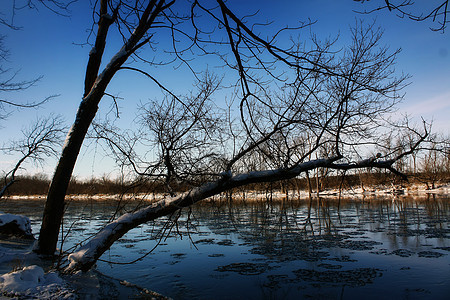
{"points": [[87, 255]]}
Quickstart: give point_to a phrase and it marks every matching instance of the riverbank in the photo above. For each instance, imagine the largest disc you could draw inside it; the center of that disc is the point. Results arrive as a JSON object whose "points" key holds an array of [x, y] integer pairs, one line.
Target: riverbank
{"points": [[252, 195]]}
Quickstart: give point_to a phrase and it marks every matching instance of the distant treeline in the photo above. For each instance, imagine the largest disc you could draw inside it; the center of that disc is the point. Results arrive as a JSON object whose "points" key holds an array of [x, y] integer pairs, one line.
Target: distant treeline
{"points": [[38, 184]]}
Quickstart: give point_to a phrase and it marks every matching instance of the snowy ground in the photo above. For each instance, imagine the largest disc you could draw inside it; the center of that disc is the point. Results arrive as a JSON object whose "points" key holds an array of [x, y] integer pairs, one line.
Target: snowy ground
{"points": [[33, 282], [20, 276], [23, 275], [30, 280]]}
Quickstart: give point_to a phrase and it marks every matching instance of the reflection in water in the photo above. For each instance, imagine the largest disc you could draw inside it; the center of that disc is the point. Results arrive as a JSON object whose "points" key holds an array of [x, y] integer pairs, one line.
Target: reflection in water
{"points": [[319, 248]]}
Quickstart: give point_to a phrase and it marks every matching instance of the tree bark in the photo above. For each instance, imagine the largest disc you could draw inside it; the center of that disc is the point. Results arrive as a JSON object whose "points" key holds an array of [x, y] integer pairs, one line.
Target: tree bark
{"points": [[54, 206], [93, 92]]}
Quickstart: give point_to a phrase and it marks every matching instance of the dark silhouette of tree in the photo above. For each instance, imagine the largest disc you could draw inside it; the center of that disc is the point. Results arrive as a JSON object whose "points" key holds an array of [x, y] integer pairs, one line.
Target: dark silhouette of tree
{"points": [[42, 139], [282, 92], [434, 11], [335, 102]]}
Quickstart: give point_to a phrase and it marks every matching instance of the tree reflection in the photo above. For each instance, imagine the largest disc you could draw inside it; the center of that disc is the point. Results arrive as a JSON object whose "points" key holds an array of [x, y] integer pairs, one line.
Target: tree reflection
{"points": [[284, 227]]}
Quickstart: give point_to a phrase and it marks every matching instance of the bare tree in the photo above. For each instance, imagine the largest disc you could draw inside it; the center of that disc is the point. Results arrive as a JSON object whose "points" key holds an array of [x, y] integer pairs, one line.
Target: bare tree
{"points": [[41, 139], [435, 11], [181, 136], [185, 131], [299, 89], [340, 107], [433, 161]]}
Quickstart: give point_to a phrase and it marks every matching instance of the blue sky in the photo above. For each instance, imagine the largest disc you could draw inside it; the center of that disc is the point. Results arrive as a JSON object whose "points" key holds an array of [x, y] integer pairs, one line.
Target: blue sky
{"points": [[46, 46]]}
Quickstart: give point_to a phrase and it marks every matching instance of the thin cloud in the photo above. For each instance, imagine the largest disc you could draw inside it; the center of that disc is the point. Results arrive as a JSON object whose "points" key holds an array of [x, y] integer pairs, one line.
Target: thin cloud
{"points": [[435, 105]]}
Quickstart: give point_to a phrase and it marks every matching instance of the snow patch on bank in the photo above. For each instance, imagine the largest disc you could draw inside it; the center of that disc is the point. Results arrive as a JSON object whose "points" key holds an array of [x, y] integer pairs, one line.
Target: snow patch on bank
{"points": [[22, 222], [23, 278], [32, 281]]}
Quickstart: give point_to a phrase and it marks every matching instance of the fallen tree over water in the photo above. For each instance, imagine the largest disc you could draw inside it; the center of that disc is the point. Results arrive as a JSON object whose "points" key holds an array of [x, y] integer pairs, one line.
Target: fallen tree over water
{"points": [[85, 257]]}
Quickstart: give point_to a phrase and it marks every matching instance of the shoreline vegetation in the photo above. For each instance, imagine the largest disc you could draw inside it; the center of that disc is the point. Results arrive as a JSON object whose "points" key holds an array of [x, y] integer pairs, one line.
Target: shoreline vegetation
{"points": [[362, 185], [252, 195]]}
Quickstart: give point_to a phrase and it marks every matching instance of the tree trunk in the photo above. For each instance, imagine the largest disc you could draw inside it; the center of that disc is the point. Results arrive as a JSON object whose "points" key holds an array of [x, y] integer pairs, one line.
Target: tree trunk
{"points": [[308, 180], [54, 206], [13, 175], [317, 184], [95, 86]]}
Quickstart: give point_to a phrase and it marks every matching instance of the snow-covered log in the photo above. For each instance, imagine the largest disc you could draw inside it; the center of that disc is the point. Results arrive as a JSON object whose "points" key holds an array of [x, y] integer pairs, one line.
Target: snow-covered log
{"points": [[85, 257]]}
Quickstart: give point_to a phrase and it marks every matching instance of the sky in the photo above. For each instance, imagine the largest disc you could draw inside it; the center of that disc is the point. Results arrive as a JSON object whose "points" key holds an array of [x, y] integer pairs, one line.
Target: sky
{"points": [[51, 46]]}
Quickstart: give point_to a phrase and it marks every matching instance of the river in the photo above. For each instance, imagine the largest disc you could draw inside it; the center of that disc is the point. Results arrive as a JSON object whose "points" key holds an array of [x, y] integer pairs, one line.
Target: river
{"points": [[385, 247]]}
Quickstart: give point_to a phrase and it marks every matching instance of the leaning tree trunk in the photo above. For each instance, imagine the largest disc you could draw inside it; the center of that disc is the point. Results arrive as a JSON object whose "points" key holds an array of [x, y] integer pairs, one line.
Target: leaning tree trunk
{"points": [[54, 206], [95, 86]]}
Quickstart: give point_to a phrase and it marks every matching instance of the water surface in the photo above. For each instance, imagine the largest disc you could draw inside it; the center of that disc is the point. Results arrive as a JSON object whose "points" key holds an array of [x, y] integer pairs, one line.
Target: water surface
{"points": [[391, 248]]}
